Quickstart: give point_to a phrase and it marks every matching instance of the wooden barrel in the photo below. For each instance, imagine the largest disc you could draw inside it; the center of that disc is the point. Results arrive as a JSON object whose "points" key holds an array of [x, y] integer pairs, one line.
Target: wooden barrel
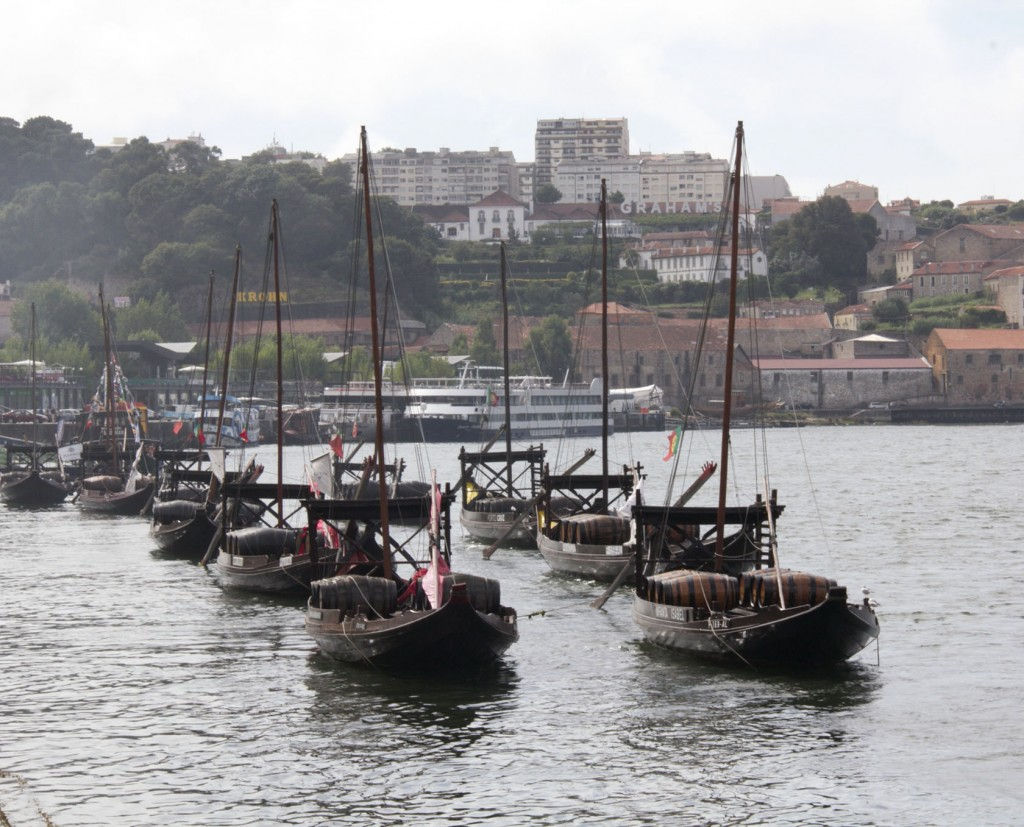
{"points": [[105, 482], [595, 529], [497, 505], [696, 589], [798, 588], [267, 540], [356, 594], [484, 593], [173, 511]]}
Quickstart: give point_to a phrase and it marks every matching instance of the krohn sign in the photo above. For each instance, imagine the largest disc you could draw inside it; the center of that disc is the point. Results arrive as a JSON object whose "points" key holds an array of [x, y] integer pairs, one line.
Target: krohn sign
{"points": [[253, 297], [669, 207]]}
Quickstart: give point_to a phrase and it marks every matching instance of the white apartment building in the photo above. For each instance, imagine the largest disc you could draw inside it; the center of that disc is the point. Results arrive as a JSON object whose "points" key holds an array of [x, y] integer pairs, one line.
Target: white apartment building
{"points": [[580, 181], [687, 177], [416, 178], [577, 139]]}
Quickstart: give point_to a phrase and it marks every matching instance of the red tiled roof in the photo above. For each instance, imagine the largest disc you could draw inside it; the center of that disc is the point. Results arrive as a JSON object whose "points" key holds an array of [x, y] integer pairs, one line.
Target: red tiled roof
{"points": [[895, 363], [979, 338], [1013, 232], [854, 309], [939, 267], [1006, 272], [498, 198], [862, 204]]}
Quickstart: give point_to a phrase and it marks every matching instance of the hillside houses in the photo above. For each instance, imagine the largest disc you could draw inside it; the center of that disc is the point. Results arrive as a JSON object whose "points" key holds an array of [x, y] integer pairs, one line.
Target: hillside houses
{"points": [[973, 366]]}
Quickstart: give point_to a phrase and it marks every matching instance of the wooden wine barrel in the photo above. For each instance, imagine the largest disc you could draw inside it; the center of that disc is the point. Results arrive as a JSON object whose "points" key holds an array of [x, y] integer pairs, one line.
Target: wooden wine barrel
{"points": [[696, 589], [798, 588], [356, 594], [497, 505], [173, 511], [106, 482], [595, 529], [483, 592], [273, 542]]}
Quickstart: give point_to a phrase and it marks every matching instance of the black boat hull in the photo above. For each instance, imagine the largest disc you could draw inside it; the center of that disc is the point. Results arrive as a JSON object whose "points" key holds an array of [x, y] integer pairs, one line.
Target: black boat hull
{"points": [[33, 491], [455, 635], [120, 503], [187, 538], [259, 573], [827, 633]]}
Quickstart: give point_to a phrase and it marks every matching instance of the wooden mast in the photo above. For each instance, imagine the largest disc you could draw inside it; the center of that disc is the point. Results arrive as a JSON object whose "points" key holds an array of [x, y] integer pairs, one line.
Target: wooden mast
{"points": [[377, 368], [274, 232], [508, 396], [227, 349], [206, 365], [109, 390], [604, 342], [35, 419], [729, 352]]}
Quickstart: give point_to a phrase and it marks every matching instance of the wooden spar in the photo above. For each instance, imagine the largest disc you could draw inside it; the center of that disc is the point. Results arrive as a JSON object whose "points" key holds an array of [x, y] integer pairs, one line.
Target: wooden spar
{"points": [[227, 347], [604, 342], [729, 351], [504, 355], [109, 391], [528, 506], [35, 419], [377, 368], [275, 233], [206, 367]]}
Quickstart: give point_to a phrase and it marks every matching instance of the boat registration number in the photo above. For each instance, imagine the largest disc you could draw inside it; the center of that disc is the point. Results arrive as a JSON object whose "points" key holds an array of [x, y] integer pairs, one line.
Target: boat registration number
{"points": [[238, 562], [286, 561]]}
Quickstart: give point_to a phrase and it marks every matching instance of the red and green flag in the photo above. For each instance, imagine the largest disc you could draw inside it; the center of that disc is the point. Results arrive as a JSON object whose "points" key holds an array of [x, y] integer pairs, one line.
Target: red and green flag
{"points": [[674, 439]]}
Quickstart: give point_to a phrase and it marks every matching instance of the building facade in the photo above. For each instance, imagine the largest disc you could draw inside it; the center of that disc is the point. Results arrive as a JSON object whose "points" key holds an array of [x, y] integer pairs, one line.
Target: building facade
{"points": [[576, 139], [1007, 285], [977, 365]]}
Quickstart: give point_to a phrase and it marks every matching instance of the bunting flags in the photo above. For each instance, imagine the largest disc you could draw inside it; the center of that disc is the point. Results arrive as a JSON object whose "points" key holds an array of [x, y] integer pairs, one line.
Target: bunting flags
{"points": [[673, 443]]}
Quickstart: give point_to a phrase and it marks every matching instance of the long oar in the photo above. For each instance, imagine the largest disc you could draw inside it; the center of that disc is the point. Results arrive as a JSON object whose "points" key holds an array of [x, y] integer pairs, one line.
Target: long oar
{"points": [[705, 475], [529, 506]]}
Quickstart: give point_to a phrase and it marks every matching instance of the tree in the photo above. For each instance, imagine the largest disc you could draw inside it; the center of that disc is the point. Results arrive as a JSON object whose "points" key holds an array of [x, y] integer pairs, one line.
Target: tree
{"points": [[159, 318], [484, 350], [547, 194], [824, 244], [60, 315], [552, 344], [891, 311], [421, 365]]}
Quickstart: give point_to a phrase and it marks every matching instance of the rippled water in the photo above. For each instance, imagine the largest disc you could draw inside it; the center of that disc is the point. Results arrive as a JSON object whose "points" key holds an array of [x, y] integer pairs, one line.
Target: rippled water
{"points": [[135, 691]]}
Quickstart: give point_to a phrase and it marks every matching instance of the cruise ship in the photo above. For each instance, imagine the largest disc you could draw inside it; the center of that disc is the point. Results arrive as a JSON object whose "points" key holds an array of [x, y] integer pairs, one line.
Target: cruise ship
{"points": [[466, 408]]}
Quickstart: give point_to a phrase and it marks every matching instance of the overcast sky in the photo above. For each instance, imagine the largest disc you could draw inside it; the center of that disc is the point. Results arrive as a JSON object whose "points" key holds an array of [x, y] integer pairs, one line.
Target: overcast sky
{"points": [[921, 99]]}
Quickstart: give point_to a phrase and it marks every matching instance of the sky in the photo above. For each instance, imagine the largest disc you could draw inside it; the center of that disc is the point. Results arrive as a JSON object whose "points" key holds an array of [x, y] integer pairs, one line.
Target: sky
{"points": [[921, 99]]}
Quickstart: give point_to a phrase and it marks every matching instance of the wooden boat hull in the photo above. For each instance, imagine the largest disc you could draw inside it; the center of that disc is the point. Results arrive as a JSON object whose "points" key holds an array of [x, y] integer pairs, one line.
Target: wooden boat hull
{"points": [[261, 573], [452, 636], [189, 538], [595, 562], [488, 527], [33, 491], [830, 632], [122, 503]]}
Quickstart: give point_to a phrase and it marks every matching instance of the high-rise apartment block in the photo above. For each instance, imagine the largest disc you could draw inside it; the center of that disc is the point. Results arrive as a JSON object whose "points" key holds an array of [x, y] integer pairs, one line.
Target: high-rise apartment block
{"points": [[416, 178], [577, 139]]}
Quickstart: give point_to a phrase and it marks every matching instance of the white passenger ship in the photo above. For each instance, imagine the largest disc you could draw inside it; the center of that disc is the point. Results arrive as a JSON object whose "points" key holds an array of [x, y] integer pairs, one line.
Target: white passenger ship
{"points": [[469, 407]]}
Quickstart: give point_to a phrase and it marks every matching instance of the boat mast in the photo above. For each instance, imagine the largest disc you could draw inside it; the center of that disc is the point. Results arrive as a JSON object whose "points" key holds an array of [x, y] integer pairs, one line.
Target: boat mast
{"points": [[377, 368], [206, 364], [109, 390], [227, 349], [604, 342], [508, 397], [35, 419], [729, 352], [274, 231]]}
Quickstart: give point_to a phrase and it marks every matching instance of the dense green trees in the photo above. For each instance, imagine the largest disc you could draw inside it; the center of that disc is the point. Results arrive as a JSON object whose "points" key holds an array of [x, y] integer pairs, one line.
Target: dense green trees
{"points": [[552, 346], [823, 245]]}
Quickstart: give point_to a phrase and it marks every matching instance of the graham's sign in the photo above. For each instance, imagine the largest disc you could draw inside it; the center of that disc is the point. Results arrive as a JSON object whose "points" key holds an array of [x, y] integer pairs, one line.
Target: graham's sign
{"points": [[670, 207], [254, 298]]}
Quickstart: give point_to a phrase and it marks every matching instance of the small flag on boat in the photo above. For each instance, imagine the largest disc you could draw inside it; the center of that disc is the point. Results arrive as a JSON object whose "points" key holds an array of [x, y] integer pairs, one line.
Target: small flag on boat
{"points": [[673, 443], [355, 428], [177, 427], [492, 398], [335, 445], [244, 435]]}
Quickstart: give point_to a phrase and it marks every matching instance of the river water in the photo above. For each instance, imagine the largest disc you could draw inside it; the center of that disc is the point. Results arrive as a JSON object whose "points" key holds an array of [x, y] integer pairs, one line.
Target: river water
{"points": [[134, 690]]}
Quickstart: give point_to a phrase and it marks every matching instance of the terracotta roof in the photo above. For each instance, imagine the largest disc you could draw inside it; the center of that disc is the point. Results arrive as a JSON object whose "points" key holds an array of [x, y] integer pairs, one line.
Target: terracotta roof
{"points": [[1006, 272], [895, 363], [933, 268], [1014, 232], [979, 338], [861, 204], [442, 213], [498, 198], [854, 309], [581, 211]]}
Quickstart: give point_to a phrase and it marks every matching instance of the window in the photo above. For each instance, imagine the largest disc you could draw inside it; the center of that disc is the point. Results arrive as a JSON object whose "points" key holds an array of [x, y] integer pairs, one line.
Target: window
{"points": [[995, 358], [849, 376], [496, 233], [480, 216], [969, 359], [496, 216], [776, 378], [963, 244], [885, 376]]}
